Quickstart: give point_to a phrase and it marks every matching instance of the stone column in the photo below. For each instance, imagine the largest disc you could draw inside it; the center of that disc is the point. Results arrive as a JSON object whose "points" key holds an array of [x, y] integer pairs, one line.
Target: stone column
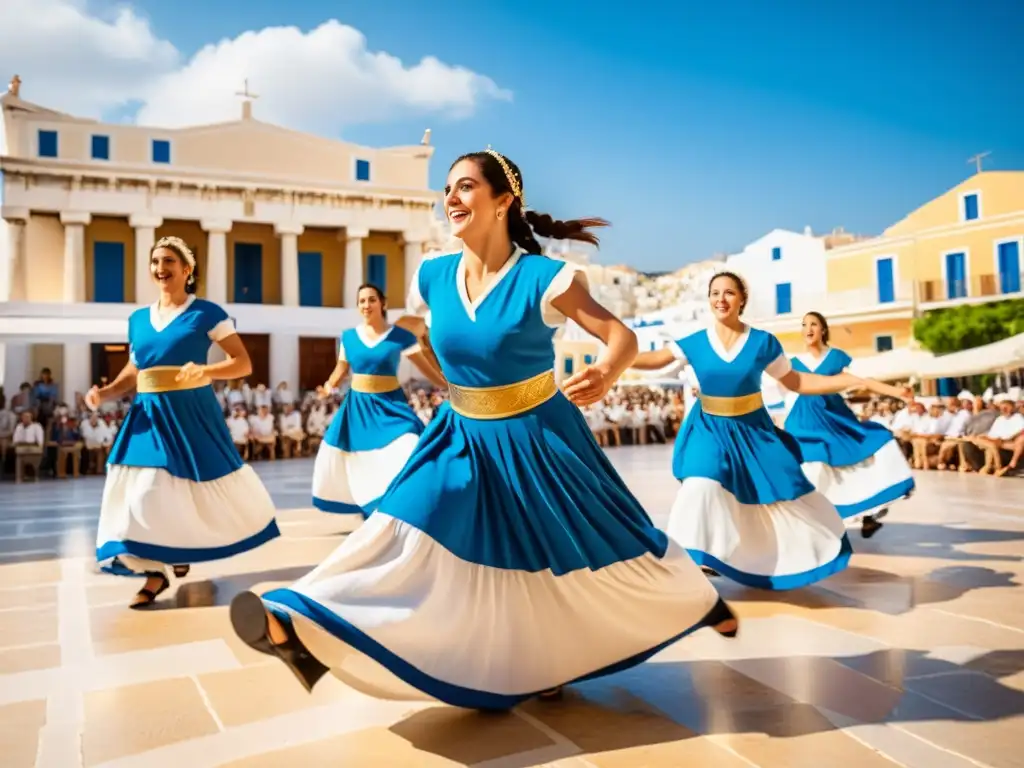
{"points": [[289, 234], [216, 277], [353, 265], [14, 367], [14, 279], [284, 360], [413, 256], [77, 374], [74, 255], [145, 226]]}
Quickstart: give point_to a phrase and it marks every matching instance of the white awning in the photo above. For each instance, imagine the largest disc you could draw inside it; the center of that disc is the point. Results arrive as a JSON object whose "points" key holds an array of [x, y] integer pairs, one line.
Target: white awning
{"points": [[1005, 355], [897, 365]]}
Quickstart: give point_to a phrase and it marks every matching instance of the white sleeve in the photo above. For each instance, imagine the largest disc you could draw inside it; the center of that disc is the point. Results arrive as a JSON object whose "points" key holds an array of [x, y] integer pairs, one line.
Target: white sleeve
{"points": [[409, 351], [222, 330], [676, 350], [779, 367], [341, 351], [414, 301], [561, 283]]}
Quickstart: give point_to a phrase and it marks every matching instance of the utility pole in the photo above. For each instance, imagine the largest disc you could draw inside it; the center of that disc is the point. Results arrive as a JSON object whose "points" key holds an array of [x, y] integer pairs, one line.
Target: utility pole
{"points": [[976, 159]]}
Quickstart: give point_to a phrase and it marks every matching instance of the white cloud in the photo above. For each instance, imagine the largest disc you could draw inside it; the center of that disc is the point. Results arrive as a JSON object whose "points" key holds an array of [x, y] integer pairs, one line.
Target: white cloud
{"points": [[318, 81]]}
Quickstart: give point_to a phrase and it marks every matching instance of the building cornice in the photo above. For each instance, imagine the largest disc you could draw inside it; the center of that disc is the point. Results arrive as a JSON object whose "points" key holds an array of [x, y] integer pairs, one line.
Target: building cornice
{"points": [[193, 177]]}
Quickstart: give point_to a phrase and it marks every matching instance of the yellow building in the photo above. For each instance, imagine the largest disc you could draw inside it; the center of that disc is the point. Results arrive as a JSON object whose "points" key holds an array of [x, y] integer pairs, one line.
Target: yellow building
{"points": [[963, 247]]}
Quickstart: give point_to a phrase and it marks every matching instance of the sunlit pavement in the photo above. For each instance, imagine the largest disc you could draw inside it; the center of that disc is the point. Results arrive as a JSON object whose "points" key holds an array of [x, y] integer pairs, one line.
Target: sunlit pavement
{"points": [[914, 656]]}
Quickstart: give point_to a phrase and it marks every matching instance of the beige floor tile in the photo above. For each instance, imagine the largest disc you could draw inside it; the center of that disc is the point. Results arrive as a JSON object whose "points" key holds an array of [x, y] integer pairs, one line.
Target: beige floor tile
{"points": [[19, 733], [263, 691], [28, 626], [998, 744], [30, 574], [28, 596], [14, 660], [134, 719]]}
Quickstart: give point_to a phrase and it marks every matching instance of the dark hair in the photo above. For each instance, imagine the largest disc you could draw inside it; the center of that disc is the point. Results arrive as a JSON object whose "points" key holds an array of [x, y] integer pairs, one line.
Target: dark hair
{"points": [[177, 246], [740, 285], [524, 227], [823, 323], [380, 294]]}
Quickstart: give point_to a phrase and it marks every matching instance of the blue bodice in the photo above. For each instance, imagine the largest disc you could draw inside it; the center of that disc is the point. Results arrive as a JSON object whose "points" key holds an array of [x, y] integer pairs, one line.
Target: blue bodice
{"points": [[381, 356], [503, 336], [185, 339], [720, 376]]}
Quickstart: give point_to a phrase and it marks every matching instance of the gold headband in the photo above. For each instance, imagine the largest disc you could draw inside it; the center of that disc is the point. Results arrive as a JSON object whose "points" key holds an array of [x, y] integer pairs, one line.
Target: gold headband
{"points": [[177, 244], [513, 183]]}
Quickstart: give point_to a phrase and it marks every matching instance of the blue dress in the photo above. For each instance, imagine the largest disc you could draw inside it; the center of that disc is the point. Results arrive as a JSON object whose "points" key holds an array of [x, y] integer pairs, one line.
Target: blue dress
{"points": [[176, 491], [856, 464], [745, 508], [374, 432], [508, 543]]}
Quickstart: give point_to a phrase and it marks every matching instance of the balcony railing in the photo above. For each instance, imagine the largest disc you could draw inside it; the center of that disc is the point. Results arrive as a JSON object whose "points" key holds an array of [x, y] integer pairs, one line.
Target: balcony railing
{"points": [[978, 286]]}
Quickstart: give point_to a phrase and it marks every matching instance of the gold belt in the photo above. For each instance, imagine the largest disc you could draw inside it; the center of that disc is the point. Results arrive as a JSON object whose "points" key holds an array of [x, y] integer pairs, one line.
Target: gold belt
{"points": [[502, 402], [370, 384], [731, 406], [164, 379]]}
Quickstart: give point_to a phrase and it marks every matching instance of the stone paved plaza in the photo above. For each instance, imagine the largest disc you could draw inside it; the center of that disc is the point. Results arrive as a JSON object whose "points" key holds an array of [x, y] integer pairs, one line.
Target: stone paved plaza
{"points": [[914, 656]]}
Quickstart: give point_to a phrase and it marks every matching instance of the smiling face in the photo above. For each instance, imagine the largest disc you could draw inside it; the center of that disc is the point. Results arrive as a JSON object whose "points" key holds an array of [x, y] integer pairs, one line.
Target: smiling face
{"points": [[169, 270], [726, 298], [812, 329], [470, 204], [370, 305]]}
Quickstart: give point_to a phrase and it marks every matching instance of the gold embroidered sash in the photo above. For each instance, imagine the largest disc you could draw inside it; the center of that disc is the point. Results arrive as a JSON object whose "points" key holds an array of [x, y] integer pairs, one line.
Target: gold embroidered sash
{"points": [[731, 406], [163, 378], [502, 402], [370, 384]]}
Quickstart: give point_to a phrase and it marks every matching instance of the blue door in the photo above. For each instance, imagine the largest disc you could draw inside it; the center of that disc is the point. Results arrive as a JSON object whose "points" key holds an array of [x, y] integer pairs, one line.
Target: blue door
{"points": [[248, 273], [886, 282], [783, 298], [1009, 267], [377, 271], [956, 276], [108, 273], [311, 277]]}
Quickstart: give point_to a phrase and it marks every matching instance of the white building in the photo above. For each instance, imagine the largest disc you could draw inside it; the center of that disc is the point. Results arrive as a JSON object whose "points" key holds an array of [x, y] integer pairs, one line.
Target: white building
{"points": [[285, 227]]}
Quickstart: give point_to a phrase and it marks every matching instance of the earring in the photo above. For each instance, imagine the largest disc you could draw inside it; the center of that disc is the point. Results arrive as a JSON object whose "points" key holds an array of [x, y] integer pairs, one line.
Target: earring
{"points": [[501, 214]]}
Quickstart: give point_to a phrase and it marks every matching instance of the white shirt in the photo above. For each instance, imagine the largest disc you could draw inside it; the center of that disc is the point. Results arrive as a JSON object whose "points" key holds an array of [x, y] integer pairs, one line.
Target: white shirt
{"points": [[33, 433], [264, 397], [316, 424], [284, 396], [290, 422], [1003, 428], [654, 417], [938, 425], [958, 423], [239, 429], [905, 419], [236, 397], [98, 435], [262, 426]]}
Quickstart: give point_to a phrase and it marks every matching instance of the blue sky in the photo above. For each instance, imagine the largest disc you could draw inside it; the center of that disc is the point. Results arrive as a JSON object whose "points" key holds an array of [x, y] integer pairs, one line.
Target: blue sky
{"points": [[698, 127]]}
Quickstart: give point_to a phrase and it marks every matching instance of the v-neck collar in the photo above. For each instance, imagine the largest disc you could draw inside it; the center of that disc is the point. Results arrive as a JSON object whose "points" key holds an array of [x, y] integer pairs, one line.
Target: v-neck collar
{"points": [[728, 355], [460, 281], [361, 332], [159, 321], [811, 362]]}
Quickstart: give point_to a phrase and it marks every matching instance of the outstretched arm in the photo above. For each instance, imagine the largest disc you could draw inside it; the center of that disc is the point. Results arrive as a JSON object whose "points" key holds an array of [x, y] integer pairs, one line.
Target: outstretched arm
{"points": [[592, 383], [654, 360], [428, 367], [814, 384]]}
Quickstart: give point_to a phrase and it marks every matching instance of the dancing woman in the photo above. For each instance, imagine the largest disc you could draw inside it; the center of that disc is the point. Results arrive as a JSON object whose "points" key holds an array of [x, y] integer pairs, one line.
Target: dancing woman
{"points": [[857, 465], [508, 543], [374, 432], [177, 491], [745, 508]]}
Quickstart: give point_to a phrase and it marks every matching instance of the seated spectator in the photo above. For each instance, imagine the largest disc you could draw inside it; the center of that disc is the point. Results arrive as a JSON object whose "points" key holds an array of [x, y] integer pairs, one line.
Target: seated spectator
{"points": [[65, 444], [28, 446], [928, 433], [263, 436], [98, 437], [1000, 442], [972, 456], [963, 412], [292, 436], [240, 431]]}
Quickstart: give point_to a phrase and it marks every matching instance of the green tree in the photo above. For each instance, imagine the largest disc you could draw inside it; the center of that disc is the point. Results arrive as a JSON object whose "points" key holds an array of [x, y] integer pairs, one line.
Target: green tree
{"points": [[967, 326]]}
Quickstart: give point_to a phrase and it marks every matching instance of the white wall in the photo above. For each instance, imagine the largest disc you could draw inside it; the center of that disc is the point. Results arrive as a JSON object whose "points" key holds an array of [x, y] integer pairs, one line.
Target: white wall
{"points": [[802, 266]]}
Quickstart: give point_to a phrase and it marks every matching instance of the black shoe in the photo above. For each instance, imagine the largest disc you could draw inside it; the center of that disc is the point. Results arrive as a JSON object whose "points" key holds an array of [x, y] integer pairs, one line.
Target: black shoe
{"points": [[145, 597], [181, 571], [709, 571], [249, 618], [720, 614], [869, 526]]}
